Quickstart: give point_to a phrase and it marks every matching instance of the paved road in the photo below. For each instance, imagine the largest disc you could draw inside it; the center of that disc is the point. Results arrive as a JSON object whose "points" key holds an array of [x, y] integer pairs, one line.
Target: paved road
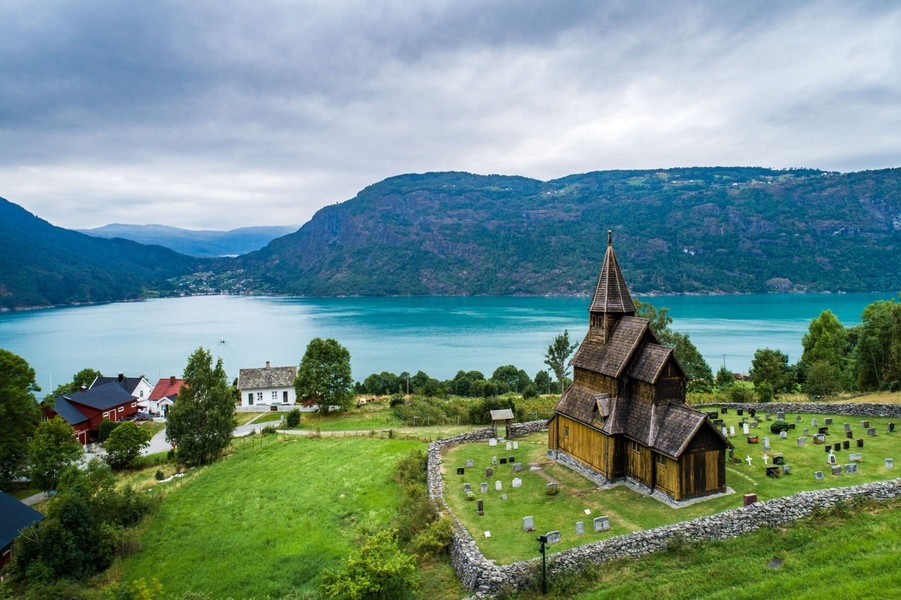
{"points": [[158, 442]]}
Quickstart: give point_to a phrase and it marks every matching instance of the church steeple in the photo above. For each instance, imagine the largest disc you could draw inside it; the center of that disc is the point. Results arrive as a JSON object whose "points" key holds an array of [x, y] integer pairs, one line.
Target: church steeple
{"points": [[611, 298]]}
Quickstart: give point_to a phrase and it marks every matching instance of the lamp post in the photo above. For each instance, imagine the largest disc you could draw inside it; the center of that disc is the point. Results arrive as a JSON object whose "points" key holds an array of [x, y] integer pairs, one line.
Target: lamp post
{"points": [[542, 542]]}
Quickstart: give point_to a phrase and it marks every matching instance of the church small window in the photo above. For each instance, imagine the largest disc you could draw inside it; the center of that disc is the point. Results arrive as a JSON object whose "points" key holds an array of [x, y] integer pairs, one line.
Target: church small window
{"points": [[661, 460], [566, 431], [635, 447]]}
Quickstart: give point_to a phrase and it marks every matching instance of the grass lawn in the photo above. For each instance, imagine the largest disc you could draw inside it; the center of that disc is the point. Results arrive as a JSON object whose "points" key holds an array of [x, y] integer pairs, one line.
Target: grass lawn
{"points": [[628, 510], [832, 555], [267, 519]]}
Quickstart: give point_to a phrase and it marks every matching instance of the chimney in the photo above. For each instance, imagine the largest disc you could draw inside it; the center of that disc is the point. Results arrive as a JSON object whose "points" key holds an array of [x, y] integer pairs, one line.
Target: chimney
{"points": [[172, 380], [83, 387], [121, 377], [267, 364]]}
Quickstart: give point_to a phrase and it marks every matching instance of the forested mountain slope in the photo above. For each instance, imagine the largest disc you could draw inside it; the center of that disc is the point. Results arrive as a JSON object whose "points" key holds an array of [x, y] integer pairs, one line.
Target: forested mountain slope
{"points": [[199, 243], [44, 265], [695, 230]]}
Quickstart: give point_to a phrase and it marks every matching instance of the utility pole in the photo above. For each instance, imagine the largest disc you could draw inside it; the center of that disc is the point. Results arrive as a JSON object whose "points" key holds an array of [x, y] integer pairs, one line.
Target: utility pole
{"points": [[542, 542]]}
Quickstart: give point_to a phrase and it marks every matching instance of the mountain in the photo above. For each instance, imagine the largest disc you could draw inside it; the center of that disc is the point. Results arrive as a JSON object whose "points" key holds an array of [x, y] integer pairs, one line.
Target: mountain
{"points": [[688, 230], [44, 265], [202, 243]]}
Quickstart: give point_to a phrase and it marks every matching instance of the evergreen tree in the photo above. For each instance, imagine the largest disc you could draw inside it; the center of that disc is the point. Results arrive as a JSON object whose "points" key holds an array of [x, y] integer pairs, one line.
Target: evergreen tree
{"points": [[201, 422], [19, 415], [877, 354]]}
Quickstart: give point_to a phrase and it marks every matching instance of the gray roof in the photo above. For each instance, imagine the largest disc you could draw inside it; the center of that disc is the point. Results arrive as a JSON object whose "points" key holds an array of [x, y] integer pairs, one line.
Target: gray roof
{"points": [[69, 413], [14, 517], [266, 377], [129, 384], [502, 414]]}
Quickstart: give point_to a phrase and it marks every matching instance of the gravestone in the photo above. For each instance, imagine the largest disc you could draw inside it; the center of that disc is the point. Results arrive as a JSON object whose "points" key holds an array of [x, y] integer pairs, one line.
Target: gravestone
{"points": [[828, 448], [814, 422], [824, 430], [503, 496], [755, 424], [725, 431], [752, 411], [480, 507], [714, 414], [516, 445], [492, 442], [550, 454], [768, 417], [745, 429], [791, 426], [498, 486], [580, 527], [773, 471], [494, 460], [517, 482], [851, 468], [889, 463], [780, 416], [783, 435], [553, 537], [509, 446], [748, 458], [837, 446], [827, 421], [470, 464], [503, 460], [865, 424], [511, 459], [802, 441], [855, 456], [601, 523], [753, 439], [517, 467], [467, 488], [847, 426], [487, 534], [891, 428], [724, 410], [460, 470], [551, 489], [489, 472], [798, 419], [766, 444], [749, 499], [739, 411], [718, 422], [831, 459], [731, 430], [483, 487], [846, 445], [849, 435], [871, 432], [836, 469], [766, 458], [528, 524], [860, 442], [817, 475], [786, 469], [778, 459], [806, 431]]}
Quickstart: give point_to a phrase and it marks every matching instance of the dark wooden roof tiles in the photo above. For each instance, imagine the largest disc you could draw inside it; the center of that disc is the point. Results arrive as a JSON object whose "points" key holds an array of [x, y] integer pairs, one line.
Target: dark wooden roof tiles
{"points": [[649, 362], [611, 295], [579, 403], [611, 358]]}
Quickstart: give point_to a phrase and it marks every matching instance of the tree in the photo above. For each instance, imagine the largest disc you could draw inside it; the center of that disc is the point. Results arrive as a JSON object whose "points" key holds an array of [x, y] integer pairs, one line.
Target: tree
{"points": [[510, 378], [324, 375], [877, 355], [724, 378], [201, 423], [696, 368], [19, 415], [771, 367], [557, 356], [83, 378], [377, 568], [125, 443], [543, 382], [826, 347], [53, 449]]}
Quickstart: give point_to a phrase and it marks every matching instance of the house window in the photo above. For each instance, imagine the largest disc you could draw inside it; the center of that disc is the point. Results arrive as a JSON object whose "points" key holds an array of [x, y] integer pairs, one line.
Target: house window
{"points": [[142, 393], [661, 460], [566, 431], [259, 397], [106, 414], [134, 404], [121, 409], [635, 446], [274, 396], [250, 398], [285, 396]]}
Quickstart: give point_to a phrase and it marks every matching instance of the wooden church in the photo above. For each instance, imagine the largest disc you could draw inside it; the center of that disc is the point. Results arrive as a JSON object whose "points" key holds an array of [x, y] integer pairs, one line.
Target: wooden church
{"points": [[625, 416]]}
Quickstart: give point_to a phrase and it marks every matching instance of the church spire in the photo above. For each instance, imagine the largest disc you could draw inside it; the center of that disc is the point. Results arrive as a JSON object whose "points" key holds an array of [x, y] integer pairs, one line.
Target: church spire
{"points": [[611, 299]]}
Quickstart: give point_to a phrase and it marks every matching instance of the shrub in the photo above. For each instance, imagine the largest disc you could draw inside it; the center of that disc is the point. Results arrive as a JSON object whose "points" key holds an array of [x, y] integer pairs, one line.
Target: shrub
{"points": [[434, 539], [292, 420], [765, 392], [741, 394], [530, 391], [779, 426], [106, 428], [378, 568], [159, 475], [395, 400], [268, 429]]}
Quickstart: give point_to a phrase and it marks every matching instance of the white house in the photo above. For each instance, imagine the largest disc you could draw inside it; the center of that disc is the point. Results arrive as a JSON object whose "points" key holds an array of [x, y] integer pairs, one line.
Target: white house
{"points": [[164, 394], [266, 387]]}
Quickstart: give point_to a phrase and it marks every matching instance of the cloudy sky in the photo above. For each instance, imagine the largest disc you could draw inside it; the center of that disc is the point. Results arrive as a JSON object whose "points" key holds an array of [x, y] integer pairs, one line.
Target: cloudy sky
{"points": [[224, 114]]}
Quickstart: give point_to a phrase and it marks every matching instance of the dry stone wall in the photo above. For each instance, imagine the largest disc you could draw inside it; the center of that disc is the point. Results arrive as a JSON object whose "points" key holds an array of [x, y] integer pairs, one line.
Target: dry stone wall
{"points": [[486, 579], [826, 408]]}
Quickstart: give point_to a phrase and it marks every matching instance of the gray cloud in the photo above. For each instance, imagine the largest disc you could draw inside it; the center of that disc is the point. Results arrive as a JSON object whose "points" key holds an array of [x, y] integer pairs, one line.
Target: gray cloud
{"points": [[222, 114]]}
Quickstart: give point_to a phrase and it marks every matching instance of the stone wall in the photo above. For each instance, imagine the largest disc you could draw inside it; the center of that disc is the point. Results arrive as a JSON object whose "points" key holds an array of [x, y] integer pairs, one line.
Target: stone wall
{"points": [[826, 408], [487, 579]]}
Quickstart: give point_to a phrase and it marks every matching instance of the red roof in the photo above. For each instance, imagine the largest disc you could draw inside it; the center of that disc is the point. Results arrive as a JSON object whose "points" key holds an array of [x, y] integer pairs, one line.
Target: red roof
{"points": [[165, 388]]}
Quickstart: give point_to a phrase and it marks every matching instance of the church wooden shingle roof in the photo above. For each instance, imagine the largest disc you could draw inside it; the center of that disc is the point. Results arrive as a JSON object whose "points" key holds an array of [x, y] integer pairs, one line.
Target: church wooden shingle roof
{"points": [[579, 403], [611, 358], [611, 294], [649, 362]]}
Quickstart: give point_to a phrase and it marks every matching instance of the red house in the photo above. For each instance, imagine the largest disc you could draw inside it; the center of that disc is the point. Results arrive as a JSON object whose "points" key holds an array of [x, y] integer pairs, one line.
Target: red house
{"points": [[85, 410]]}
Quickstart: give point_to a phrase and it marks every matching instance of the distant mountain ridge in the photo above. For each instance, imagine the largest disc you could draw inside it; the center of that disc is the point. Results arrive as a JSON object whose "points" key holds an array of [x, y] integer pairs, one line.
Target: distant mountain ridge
{"points": [[198, 243], [690, 230], [44, 265]]}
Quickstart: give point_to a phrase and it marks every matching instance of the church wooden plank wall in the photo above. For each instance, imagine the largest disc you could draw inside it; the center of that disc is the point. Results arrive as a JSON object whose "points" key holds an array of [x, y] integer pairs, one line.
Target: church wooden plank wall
{"points": [[667, 475], [595, 381], [701, 473], [639, 463], [581, 442]]}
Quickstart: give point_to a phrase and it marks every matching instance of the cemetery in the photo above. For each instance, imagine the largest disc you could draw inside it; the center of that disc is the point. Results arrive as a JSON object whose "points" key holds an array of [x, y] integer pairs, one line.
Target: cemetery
{"points": [[550, 497]]}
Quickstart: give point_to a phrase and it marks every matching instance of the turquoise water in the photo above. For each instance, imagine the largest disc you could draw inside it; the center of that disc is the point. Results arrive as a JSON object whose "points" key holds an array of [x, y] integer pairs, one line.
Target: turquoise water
{"points": [[437, 335]]}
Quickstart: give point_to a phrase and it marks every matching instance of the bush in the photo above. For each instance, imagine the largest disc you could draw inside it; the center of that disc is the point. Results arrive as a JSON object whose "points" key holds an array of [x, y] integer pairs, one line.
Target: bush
{"points": [[530, 391], [377, 568], [292, 420], [159, 475], [741, 394], [396, 399], [106, 428], [765, 392], [779, 426], [435, 539], [268, 429]]}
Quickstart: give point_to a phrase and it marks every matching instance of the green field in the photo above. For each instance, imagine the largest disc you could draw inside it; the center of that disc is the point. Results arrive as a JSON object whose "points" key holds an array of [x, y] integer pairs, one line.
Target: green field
{"points": [[630, 511], [267, 519]]}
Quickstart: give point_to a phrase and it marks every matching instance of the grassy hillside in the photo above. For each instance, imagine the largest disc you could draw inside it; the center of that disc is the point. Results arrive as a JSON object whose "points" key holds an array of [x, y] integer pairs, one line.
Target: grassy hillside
{"points": [[266, 521], [720, 229]]}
